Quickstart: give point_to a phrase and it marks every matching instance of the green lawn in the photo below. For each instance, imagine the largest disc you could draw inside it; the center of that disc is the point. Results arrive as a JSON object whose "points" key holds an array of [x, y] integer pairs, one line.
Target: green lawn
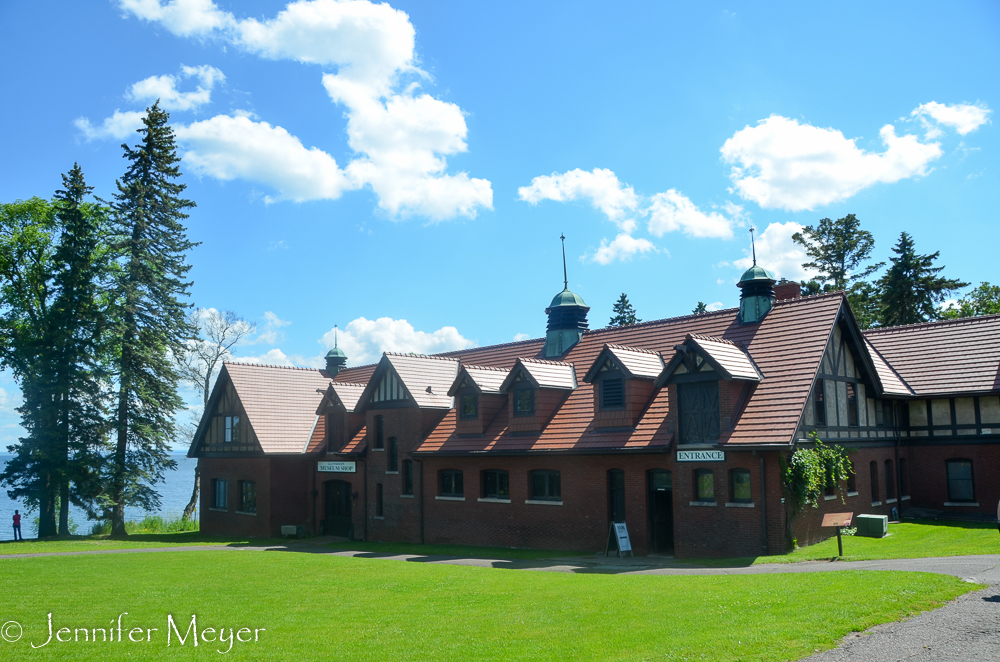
{"points": [[137, 541], [322, 607], [453, 550]]}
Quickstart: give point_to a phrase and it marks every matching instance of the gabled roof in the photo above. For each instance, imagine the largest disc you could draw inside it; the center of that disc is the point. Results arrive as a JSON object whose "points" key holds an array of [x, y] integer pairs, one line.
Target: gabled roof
{"points": [[636, 363], [280, 403], [892, 383], [542, 374], [425, 378], [943, 358], [727, 358], [346, 393], [483, 379]]}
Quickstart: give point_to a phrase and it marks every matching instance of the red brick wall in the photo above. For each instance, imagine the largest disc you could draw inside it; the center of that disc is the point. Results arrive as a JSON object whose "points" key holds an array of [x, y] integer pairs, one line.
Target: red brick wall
{"points": [[293, 494], [489, 405], [638, 393], [400, 519], [233, 470], [928, 481], [547, 400]]}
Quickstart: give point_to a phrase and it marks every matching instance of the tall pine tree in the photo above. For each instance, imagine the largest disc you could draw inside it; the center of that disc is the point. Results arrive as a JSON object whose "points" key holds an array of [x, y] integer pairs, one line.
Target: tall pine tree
{"points": [[147, 214], [838, 249], [624, 313], [911, 288]]}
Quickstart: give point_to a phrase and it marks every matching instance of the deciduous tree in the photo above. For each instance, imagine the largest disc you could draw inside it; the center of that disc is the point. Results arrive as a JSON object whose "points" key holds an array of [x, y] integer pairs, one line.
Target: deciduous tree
{"points": [[983, 300]]}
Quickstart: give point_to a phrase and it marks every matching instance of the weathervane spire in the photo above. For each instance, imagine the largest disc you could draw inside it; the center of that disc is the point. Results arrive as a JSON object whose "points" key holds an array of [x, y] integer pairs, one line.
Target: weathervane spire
{"points": [[335, 336], [565, 278], [753, 247]]}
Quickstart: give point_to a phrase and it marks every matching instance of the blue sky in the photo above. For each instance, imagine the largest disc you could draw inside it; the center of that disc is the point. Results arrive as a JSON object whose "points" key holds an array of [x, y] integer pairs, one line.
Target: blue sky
{"points": [[405, 170]]}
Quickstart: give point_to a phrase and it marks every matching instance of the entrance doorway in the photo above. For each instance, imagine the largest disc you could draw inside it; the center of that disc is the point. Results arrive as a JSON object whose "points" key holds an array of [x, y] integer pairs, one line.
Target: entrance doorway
{"points": [[616, 495], [661, 511], [337, 508]]}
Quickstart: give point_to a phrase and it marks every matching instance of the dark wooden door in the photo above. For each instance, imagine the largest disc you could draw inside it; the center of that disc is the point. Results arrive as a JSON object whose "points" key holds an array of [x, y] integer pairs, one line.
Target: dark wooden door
{"points": [[661, 512], [337, 502], [699, 412], [616, 495]]}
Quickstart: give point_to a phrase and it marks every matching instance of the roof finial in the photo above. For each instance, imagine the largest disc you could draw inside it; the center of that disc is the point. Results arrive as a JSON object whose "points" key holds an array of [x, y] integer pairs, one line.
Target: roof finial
{"points": [[565, 278], [335, 336], [752, 246]]}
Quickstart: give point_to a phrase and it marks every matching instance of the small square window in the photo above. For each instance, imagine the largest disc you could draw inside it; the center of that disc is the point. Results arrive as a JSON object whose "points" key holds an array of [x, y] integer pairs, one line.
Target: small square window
{"points": [[524, 402], [248, 496], [740, 485], [470, 405], [705, 484], [496, 484], [546, 486], [451, 483]]}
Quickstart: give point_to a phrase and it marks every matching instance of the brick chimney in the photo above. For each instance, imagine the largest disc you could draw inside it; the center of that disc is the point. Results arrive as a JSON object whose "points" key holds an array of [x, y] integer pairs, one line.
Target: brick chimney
{"points": [[786, 289]]}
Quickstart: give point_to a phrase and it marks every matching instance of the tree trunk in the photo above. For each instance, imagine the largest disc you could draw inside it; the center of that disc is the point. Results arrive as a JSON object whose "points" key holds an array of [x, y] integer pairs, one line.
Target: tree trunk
{"points": [[63, 506], [118, 477], [47, 509], [189, 509]]}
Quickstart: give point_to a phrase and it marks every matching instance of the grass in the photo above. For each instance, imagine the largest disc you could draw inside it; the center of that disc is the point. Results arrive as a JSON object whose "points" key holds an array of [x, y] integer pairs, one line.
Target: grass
{"points": [[323, 607], [138, 541], [906, 540], [150, 524], [453, 550]]}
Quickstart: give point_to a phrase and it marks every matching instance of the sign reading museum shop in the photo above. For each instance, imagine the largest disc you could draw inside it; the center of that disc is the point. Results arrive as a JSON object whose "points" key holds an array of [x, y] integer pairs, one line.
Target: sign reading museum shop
{"points": [[701, 456], [338, 467]]}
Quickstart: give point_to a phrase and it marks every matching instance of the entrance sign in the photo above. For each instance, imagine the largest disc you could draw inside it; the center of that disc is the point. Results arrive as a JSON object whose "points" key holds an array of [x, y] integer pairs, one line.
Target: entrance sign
{"points": [[338, 467], [618, 536], [701, 456], [838, 520]]}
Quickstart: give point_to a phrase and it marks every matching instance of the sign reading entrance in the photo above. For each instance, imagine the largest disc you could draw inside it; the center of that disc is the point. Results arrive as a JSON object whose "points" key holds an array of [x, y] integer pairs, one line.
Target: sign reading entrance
{"points": [[701, 456], [337, 467], [618, 537]]}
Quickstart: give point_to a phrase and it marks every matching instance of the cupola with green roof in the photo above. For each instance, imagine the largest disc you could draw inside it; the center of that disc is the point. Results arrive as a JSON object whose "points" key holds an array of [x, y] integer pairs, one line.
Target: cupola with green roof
{"points": [[567, 317], [335, 358], [756, 290]]}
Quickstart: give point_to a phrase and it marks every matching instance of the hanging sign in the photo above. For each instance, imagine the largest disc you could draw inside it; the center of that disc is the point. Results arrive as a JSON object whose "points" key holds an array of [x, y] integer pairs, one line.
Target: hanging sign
{"points": [[701, 456], [337, 467], [618, 537]]}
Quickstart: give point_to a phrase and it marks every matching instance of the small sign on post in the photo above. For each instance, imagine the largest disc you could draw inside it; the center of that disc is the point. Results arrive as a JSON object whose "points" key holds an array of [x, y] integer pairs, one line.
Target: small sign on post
{"points": [[618, 536], [838, 520]]}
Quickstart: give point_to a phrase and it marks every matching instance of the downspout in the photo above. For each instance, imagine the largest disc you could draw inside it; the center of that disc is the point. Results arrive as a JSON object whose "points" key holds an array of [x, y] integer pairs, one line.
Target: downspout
{"points": [[365, 500], [420, 502], [763, 505], [315, 469]]}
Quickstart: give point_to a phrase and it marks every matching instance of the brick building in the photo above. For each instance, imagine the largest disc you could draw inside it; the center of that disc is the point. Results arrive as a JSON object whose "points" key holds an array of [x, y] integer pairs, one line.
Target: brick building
{"points": [[674, 427]]}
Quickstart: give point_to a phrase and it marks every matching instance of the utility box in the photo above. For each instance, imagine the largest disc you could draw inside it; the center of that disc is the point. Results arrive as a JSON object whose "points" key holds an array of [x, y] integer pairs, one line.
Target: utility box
{"points": [[872, 526]]}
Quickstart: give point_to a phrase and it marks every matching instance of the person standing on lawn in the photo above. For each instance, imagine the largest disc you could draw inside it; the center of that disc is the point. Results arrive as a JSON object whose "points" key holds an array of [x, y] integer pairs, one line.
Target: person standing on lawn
{"points": [[17, 526]]}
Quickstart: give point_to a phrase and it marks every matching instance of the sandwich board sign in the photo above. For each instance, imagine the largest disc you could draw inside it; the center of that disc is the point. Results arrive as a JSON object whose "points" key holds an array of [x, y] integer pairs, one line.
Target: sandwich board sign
{"points": [[618, 536]]}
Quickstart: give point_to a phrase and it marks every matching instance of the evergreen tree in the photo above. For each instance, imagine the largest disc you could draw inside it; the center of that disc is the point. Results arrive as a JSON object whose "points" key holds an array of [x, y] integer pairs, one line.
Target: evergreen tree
{"points": [[983, 300], [700, 308], [624, 313], [911, 287], [838, 248], [151, 326]]}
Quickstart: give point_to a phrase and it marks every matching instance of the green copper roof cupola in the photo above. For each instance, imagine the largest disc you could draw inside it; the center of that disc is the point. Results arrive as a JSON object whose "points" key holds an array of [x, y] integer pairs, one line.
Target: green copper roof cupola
{"points": [[335, 358], [757, 290], [567, 317]]}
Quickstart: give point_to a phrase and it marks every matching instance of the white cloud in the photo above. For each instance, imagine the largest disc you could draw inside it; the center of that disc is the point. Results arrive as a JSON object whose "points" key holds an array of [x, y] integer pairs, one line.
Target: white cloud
{"points": [[714, 306], [165, 89], [364, 340], [118, 127], [227, 148], [964, 118], [671, 211], [271, 333], [4, 399], [518, 337], [600, 187], [275, 245], [623, 248], [777, 253], [401, 138], [781, 164]]}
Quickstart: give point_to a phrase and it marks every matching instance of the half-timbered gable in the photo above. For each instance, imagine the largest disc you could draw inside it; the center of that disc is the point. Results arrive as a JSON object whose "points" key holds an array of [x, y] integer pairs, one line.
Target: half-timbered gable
{"points": [[225, 427]]}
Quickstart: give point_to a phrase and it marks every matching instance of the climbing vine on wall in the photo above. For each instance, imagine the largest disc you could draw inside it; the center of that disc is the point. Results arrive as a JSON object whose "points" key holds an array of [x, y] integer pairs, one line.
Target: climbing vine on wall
{"points": [[806, 473]]}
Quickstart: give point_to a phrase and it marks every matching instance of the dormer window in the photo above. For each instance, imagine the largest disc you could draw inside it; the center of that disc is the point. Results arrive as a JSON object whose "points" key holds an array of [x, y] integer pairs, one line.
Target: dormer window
{"points": [[469, 405], [524, 401], [612, 393]]}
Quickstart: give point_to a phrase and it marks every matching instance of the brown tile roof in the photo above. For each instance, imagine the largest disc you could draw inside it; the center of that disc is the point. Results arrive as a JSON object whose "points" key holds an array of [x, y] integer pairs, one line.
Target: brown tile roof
{"points": [[358, 443], [318, 436], [427, 378], [941, 358], [892, 383], [348, 393], [280, 403], [487, 379], [637, 362], [544, 374], [729, 356]]}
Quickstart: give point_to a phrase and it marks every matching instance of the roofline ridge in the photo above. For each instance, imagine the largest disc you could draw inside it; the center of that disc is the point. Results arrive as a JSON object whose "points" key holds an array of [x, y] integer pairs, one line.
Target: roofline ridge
{"points": [[503, 344], [702, 336], [607, 329], [420, 356], [631, 348], [524, 360], [960, 320], [812, 297], [361, 384], [484, 367], [270, 365], [357, 367]]}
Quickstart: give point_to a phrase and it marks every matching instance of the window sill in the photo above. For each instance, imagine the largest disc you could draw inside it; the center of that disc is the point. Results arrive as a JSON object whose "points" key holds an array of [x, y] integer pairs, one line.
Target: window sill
{"points": [[890, 501], [542, 502], [961, 504], [246, 512], [737, 504], [378, 450], [492, 500], [850, 494], [405, 496], [450, 498], [829, 497], [391, 473], [703, 503], [905, 498], [219, 510], [378, 517], [876, 503]]}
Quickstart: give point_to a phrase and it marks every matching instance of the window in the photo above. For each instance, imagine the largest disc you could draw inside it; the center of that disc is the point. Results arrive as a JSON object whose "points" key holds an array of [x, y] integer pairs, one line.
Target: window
{"points": [[852, 404], [960, 486], [879, 414], [545, 486], [829, 486], [393, 464], [904, 486], [890, 481], [248, 496], [873, 470], [407, 476], [524, 402], [820, 403], [496, 484], [470, 405], [220, 496], [233, 429], [704, 481], [740, 485], [699, 412], [379, 504], [852, 483], [379, 432], [612, 393], [451, 483]]}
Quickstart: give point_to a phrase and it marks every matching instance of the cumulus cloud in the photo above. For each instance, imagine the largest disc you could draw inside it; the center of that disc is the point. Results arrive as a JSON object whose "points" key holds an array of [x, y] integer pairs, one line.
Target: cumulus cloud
{"points": [[277, 357], [781, 164], [518, 337], [118, 127], [364, 340], [271, 333], [963, 118], [400, 137], [165, 89], [777, 253], [712, 307], [623, 247], [600, 187], [672, 210]]}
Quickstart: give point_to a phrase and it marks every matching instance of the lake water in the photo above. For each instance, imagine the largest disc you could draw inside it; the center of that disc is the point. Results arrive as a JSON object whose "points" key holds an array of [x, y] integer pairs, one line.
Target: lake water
{"points": [[174, 495]]}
